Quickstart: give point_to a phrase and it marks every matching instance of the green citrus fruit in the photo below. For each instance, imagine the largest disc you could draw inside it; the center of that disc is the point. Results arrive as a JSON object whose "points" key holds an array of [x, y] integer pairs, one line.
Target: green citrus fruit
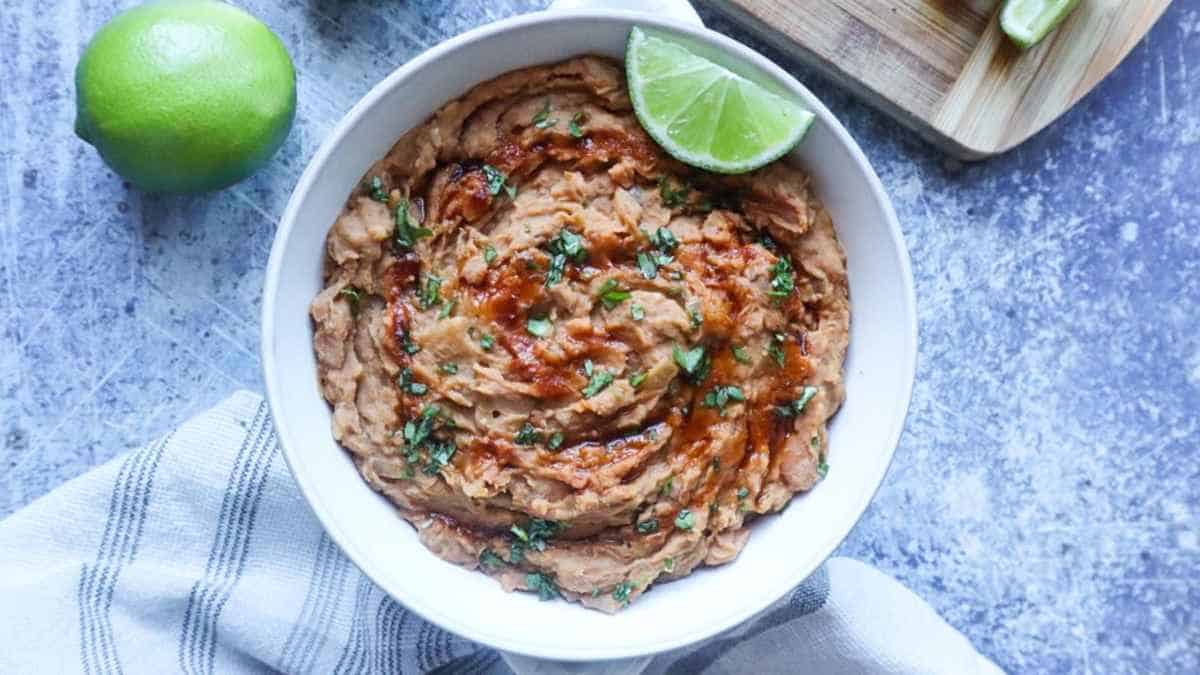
{"points": [[705, 114], [185, 95], [1026, 22]]}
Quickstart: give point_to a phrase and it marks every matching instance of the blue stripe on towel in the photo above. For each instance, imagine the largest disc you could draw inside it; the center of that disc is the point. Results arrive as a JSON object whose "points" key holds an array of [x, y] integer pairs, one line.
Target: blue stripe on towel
{"points": [[197, 647]]}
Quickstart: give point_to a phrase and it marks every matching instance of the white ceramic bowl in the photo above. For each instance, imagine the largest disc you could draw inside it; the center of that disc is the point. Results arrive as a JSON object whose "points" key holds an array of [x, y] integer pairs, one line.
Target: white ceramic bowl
{"points": [[783, 549]]}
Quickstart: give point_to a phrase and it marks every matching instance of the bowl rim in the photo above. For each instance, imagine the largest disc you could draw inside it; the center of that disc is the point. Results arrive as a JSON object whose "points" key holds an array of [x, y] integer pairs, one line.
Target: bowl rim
{"points": [[328, 149]]}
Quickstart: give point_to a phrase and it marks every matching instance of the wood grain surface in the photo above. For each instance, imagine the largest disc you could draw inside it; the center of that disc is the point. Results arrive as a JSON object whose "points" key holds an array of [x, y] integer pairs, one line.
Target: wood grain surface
{"points": [[945, 68]]}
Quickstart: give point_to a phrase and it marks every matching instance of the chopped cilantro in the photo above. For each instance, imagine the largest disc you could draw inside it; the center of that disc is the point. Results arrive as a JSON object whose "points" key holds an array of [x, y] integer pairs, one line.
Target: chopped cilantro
{"points": [[440, 453], [815, 443], [490, 560], [636, 379], [796, 407], [566, 246], [409, 386], [406, 234], [533, 536], [556, 440], [739, 354], [621, 592], [664, 240], [667, 486], [783, 279], [775, 349], [822, 468], [648, 526], [486, 341], [573, 127], [449, 368], [669, 564], [378, 193], [768, 242], [647, 265], [743, 492], [408, 345], [430, 293], [527, 435], [542, 119], [447, 307], [684, 520], [694, 363], [720, 396], [539, 326], [353, 296], [611, 294], [416, 433], [672, 197], [496, 179], [542, 584], [489, 254], [695, 316], [598, 381], [638, 312]]}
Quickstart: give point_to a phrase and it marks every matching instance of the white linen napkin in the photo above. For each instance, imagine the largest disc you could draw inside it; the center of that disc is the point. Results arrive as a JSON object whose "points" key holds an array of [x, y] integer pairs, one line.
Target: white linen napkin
{"points": [[197, 554]]}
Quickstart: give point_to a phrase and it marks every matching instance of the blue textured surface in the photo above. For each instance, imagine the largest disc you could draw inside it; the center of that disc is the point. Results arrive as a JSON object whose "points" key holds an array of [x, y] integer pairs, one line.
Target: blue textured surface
{"points": [[1044, 497]]}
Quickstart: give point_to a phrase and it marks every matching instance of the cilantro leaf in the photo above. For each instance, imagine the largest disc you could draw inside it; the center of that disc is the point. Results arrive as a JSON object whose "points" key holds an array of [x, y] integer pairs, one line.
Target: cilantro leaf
{"points": [[611, 294], [796, 407], [783, 279], [449, 368], [527, 435], [542, 119], [486, 341], [408, 385], [636, 379], [599, 379], [684, 520], [637, 312], [573, 127], [489, 254], [822, 468], [664, 240], [720, 396], [539, 326], [739, 354], [495, 179], [649, 526], [490, 560], [647, 265], [543, 585], [353, 295], [775, 349], [430, 293], [566, 246], [621, 592], [556, 440], [694, 362], [406, 234], [447, 307], [377, 191]]}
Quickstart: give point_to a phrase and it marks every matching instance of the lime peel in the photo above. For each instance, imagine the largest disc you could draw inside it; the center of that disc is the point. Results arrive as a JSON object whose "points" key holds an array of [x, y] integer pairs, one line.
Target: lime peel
{"points": [[1026, 22], [705, 115]]}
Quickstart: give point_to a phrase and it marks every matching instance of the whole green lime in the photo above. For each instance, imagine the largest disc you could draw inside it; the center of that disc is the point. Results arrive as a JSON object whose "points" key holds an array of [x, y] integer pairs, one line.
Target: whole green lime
{"points": [[185, 95]]}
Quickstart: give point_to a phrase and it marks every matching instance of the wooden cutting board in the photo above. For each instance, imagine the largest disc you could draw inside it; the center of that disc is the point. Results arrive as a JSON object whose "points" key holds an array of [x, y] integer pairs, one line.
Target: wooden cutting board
{"points": [[945, 68]]}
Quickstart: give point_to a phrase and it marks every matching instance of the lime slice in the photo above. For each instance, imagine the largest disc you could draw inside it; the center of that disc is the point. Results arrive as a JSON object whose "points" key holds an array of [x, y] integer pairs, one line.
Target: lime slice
{"points": [[1026, 22], [704, 114]]}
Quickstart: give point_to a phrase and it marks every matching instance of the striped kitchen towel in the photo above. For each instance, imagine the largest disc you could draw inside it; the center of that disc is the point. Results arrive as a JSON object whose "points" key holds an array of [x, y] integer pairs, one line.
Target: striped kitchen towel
{"points": [[197, 554]]}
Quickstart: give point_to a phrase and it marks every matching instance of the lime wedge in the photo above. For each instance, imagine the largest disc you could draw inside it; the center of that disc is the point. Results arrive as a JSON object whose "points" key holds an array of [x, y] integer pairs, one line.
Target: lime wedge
{"points": [[1026, 22], [704, 114]]}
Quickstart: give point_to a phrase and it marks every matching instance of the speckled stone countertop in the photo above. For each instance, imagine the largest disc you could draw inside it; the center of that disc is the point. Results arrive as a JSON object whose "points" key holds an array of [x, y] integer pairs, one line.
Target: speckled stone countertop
{"points": [[1044, 497]]}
